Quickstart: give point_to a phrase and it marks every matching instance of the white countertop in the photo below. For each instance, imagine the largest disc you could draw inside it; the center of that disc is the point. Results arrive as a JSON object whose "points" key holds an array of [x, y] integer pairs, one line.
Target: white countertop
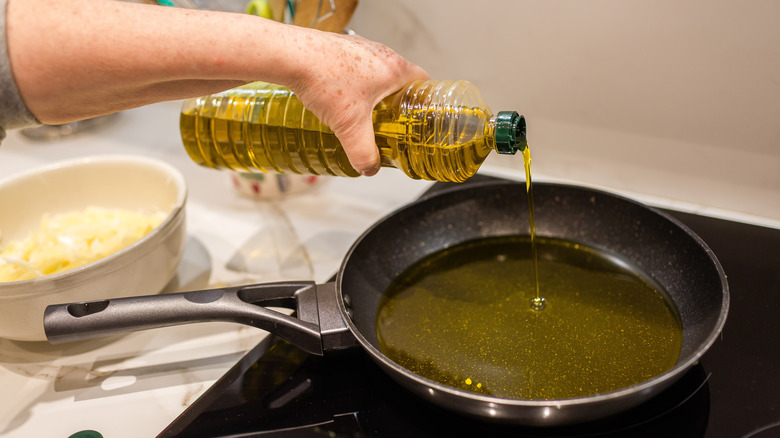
{"points": [[135, 385]]}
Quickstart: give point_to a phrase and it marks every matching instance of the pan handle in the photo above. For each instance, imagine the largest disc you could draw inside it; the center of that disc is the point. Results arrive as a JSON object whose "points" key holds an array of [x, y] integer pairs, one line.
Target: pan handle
{"points": [[242, 304]]}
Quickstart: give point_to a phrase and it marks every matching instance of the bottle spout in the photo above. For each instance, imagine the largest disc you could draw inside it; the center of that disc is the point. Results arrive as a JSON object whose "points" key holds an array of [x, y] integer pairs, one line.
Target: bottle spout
{"points": [[510, 132]]}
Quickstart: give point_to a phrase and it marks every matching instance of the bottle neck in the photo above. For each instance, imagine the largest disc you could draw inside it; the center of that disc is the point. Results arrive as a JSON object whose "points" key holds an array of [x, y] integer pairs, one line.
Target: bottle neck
{"points": [[507, 131]]}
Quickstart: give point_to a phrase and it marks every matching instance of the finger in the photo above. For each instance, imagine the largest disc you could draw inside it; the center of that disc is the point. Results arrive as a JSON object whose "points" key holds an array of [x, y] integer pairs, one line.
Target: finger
{"points": [[417, 72], [360, 145]]}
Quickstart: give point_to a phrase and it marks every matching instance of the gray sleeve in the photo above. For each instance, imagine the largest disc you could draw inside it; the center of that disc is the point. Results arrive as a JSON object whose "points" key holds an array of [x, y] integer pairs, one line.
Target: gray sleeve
{"points": [[13, 112]]}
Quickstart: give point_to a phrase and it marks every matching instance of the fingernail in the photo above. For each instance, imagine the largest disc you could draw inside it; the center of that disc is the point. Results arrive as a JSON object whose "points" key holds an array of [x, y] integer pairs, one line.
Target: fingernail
{"points": [[369, 172]]}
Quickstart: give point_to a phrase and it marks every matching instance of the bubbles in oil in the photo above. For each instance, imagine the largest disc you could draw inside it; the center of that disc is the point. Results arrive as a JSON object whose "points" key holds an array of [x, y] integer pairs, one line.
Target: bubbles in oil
{"points": [[538, 303], [460, 318]]}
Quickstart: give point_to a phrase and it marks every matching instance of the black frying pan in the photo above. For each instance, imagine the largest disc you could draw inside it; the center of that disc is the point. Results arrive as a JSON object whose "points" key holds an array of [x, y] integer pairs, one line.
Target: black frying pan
{"points": [[342, 314]]}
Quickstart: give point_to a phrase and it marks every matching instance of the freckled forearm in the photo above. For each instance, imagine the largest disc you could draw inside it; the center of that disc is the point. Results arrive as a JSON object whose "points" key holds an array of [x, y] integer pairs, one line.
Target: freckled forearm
{"points": [[74, 59]]}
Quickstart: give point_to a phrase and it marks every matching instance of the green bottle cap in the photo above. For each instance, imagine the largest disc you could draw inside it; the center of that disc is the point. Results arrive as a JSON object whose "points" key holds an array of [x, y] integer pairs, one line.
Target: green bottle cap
{"points": [[86, 434], [510, 132]]}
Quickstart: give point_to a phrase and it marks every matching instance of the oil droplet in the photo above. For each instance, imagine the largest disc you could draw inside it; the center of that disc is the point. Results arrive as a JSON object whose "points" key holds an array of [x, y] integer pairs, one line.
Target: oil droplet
{"points": [[537, 303], [468, 381]]}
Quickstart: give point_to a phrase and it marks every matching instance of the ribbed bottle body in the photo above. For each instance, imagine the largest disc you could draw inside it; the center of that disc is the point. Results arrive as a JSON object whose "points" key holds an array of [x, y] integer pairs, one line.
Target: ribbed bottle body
{"points": [[260, 127], [434, 130]]}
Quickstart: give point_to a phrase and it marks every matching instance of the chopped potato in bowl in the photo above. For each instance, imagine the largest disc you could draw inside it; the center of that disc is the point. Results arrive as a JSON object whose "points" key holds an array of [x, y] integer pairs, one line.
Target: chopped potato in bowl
{"points": [[68, 240]]}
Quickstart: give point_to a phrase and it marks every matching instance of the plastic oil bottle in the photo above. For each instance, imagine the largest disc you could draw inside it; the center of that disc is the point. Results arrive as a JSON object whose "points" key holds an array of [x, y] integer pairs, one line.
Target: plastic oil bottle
{"points": [[433, 130]]}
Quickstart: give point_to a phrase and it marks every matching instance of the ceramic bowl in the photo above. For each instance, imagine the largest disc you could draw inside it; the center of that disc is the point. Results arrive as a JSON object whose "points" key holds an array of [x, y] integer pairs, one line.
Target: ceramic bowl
{"points": [[127, 182]]}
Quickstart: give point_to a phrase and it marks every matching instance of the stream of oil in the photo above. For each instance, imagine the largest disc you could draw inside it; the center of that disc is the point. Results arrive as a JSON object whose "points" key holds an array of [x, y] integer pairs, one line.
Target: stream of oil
{"points": [[460, 317], [537, 302]]}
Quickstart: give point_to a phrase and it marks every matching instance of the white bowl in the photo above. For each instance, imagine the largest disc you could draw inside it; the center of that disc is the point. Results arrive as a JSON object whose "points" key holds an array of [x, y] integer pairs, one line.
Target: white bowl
{"points": [[110, 181]]}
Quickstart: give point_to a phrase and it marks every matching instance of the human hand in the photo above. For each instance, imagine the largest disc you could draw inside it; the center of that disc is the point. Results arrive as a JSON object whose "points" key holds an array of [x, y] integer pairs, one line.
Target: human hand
{"points": [[346, 76], [339, 78]]}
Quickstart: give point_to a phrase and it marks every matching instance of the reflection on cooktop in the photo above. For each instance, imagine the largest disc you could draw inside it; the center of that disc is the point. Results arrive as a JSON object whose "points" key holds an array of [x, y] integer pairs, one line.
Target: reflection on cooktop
{"points": [[291, 393]]}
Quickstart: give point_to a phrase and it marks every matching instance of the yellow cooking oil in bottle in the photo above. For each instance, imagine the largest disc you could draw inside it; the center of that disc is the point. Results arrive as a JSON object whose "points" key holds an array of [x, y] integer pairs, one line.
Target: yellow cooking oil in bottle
{"points": [[432, 130]]}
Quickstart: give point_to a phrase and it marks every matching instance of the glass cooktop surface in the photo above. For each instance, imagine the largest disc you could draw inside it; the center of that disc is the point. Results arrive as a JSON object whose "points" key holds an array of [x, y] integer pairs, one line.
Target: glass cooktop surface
{"points": [[277, 390]]}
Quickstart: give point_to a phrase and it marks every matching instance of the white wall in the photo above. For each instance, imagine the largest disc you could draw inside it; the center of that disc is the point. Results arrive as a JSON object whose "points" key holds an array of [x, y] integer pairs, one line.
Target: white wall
{"points": [[679, 100]]}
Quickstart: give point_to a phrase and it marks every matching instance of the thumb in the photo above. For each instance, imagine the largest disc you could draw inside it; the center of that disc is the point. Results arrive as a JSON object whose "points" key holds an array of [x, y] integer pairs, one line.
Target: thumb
{"points": [[360, 146]]}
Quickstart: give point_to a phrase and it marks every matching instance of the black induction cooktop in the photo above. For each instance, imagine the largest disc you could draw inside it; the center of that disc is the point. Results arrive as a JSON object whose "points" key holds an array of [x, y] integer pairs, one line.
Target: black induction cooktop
{"points": [[277, 390]]}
